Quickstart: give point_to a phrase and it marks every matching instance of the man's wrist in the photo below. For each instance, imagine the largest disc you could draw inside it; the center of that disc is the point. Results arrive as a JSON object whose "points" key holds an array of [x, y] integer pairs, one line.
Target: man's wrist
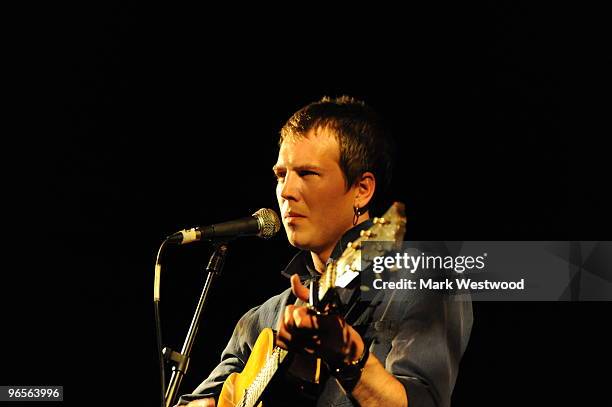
{"points": [[348, 374]]}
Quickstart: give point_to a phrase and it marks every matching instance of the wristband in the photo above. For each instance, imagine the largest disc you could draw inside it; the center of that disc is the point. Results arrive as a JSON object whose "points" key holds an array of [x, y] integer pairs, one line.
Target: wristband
{"points": [[348, 375]]}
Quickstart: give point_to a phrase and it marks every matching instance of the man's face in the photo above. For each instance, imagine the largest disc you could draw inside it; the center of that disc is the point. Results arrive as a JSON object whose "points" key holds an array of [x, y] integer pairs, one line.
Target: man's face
{"points": [[315, 206]]}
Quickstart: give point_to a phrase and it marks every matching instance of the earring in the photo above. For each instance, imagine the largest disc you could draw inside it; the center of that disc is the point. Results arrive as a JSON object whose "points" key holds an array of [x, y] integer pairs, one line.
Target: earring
{"points": [[356, 215]]}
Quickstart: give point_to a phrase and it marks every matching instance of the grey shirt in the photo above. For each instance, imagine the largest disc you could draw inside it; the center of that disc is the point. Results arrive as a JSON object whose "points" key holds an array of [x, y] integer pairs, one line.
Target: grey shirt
{"points": [[418, 336]]}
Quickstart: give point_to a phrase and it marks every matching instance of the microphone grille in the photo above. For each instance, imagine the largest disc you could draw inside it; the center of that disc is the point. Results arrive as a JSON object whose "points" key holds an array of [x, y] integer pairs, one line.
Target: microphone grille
{"points": [[269, 222]]}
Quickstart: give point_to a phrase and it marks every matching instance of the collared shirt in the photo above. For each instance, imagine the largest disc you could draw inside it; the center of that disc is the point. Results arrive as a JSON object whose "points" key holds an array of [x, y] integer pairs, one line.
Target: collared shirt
{"points": [[419, 337]]}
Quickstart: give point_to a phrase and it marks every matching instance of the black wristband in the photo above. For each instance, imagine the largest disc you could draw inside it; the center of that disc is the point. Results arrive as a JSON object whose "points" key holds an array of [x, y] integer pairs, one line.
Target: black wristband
{"points": [[348, 375]]}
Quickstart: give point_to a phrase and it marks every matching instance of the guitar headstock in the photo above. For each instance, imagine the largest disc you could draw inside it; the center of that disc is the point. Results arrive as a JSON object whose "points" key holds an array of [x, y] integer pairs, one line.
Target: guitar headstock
{"points": [[388, 231]]}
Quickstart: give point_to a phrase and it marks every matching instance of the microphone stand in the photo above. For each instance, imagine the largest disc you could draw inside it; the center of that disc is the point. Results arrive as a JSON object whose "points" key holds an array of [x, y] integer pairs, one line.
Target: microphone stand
{"points": [[181, 360]]}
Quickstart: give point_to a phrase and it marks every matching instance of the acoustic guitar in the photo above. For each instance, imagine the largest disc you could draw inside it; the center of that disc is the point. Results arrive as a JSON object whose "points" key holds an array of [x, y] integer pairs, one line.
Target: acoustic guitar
{"points": [[247, 388]]}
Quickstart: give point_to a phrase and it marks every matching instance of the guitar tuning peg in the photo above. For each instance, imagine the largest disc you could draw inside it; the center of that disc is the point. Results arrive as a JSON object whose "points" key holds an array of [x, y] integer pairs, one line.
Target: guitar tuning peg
{"points": [[367, 234], [353, 246]]}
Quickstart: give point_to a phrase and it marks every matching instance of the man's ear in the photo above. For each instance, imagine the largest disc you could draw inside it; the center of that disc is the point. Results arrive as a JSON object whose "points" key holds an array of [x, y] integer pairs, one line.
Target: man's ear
{"points": [[365, 187]]}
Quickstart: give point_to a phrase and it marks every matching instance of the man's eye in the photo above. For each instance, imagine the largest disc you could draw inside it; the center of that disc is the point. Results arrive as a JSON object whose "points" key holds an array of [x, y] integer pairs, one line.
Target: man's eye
{"points": [[307, 172], [279, 177]]}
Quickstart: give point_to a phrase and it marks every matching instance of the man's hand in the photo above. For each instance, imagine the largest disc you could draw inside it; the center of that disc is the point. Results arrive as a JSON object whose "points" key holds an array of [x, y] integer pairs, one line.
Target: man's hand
{"points": [[328, 336], [208, 402]]}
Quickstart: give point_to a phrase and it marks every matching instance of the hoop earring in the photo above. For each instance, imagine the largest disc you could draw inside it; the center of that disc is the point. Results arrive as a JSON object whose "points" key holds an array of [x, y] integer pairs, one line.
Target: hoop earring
{"points": [[356, 215]]}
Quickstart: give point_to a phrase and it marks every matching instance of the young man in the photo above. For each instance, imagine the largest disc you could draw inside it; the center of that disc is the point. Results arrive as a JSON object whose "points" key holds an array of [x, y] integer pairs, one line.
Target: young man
{"points": [[334, 156]]}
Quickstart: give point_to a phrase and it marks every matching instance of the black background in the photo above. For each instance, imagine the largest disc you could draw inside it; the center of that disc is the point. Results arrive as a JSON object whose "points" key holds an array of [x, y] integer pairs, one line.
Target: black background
{"points": [[129, 123]]}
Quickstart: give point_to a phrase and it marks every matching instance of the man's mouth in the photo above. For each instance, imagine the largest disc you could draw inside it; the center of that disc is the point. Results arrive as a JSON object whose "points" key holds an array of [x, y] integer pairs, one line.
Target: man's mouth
{"points": [[291, 216]]}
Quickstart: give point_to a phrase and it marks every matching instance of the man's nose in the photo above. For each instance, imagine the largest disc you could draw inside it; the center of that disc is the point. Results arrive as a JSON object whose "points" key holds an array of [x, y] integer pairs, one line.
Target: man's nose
{"points": [[289, 189]]}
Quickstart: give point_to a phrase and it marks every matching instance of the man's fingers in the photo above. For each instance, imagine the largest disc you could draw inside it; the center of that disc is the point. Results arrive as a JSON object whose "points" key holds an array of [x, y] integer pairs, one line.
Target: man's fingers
{"points": [[329, 336], [283, 337], [297, 343], [304, 319], [298, 289], [298, 318], [288, 321], [296, 330]]}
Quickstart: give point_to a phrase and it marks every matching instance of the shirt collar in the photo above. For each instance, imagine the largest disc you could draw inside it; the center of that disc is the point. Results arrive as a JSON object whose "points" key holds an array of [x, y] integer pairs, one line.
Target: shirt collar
{"points": [[302, 264]]}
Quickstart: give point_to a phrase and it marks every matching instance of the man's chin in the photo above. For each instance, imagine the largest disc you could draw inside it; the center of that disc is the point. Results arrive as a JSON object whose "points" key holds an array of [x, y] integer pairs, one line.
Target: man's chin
{"points": [[298, 241], [297, 244]]}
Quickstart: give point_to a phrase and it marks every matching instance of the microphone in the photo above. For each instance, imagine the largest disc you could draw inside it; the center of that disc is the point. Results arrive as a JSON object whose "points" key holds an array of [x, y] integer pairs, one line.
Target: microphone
{"points": [[263, 223]]}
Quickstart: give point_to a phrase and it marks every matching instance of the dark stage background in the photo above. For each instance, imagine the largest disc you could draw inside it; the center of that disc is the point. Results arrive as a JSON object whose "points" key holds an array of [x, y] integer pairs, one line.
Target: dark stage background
{"points": [[133, 122]]}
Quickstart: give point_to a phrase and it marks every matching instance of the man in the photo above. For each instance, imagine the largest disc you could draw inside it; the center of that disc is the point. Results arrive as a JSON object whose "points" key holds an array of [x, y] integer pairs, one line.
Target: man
{"points": [[334, 155]]}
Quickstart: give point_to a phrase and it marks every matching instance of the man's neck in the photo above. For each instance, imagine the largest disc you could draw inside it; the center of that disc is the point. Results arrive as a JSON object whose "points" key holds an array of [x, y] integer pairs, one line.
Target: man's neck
{"points": [[319, 260]]}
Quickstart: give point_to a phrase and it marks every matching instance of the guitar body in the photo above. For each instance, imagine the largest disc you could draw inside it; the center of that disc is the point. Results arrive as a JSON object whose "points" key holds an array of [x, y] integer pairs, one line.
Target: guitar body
{"points": [[236, 384]]}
